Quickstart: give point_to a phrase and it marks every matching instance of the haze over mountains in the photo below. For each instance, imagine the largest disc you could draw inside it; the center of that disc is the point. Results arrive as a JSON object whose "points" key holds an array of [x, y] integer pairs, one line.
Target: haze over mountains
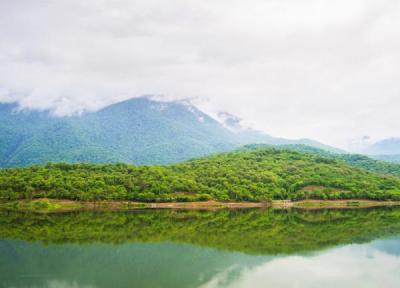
{"points": [[139, 131], [388, 158], [387, 149]]}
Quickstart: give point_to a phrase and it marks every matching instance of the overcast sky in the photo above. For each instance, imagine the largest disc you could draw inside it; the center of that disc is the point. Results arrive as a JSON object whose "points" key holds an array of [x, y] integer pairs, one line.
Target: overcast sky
{"points": [[323, 69]]}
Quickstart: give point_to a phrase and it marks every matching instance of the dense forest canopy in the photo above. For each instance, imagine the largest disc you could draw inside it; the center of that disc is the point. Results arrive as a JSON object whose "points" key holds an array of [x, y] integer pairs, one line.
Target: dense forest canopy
{"points": [[355, 160], [258, 174]]}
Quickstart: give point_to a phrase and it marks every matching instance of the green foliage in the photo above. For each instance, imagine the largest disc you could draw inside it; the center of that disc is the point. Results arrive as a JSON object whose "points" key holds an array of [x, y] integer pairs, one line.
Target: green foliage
{"points": [[355, 160], [248, 175]]}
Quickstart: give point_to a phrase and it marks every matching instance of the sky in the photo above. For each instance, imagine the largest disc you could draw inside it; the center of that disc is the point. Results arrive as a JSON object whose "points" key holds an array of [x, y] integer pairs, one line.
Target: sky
{"points": [[321, 69]]}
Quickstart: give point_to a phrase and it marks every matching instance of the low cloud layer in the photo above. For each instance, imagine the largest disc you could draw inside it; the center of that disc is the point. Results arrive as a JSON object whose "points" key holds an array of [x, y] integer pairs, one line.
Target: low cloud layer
{"points": [[328, 70]]}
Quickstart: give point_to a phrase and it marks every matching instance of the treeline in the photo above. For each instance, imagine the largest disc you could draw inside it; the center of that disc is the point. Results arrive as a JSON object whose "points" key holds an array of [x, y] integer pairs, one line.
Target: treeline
{"points": [[355, 160], [250, 175]]}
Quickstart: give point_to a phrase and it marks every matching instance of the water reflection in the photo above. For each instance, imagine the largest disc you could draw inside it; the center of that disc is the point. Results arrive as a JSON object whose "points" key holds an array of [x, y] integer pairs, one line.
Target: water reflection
{"points": [[26, 264], [245, 248], [257, 232], [350, 266]]}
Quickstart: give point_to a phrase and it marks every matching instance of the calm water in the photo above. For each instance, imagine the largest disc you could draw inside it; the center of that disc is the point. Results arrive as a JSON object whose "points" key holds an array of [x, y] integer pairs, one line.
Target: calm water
{"points": [[246, 248]]}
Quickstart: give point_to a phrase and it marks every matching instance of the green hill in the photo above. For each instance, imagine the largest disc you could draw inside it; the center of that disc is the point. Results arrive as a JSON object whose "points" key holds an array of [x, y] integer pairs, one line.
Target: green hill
{"points": [[355, 160], [246, 175]]}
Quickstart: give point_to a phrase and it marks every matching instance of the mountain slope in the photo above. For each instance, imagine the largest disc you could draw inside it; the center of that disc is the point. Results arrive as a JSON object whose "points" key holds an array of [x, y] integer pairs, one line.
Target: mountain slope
{"points": [[137, 131], [140, 131], [355, 160], [246, 175], [247, 135]]}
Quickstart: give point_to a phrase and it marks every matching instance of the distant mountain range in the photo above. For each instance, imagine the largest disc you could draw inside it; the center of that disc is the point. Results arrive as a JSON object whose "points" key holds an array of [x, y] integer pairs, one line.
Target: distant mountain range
{"points": [[389, 146], [139, 130], [387, 150], [388, 158]]}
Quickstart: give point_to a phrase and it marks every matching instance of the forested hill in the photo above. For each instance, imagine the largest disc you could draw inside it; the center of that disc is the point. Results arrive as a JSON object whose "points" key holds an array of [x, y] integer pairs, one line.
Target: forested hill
{"points": [[247, 175], [138, 131], [355, 160]]}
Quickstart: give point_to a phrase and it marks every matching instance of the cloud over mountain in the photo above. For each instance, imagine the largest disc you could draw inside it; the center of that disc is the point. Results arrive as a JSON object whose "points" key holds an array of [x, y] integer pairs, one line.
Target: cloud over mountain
{"points": [[330, 67]]}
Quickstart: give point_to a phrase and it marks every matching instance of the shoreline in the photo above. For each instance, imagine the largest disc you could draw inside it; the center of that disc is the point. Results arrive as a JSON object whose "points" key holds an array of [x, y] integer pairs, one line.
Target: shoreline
{"points": [[57, 205]]}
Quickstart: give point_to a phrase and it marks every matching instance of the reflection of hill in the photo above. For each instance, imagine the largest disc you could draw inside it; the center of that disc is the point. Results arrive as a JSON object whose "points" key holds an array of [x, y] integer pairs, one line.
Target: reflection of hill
{"points": [[249, 231]]}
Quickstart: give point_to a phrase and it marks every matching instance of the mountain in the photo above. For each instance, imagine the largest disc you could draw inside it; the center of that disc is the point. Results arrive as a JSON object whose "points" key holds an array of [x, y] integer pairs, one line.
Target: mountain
{"points": [[136, 131], [389, 146], [139, 130], [244, 175], [386, 150], [247, 135], [388, 158]]}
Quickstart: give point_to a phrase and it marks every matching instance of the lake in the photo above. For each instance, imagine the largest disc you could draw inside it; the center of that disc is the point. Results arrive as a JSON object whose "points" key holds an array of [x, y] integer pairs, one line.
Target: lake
{"points": [[223, 248]]}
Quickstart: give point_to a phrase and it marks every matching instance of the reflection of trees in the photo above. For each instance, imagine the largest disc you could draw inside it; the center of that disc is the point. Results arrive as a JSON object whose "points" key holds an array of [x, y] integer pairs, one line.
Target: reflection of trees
{"points": [[250, 231]]}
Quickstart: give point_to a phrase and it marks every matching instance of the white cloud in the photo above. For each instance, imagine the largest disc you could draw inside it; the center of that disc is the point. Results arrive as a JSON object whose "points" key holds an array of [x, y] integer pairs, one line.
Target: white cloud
{"points": [[327, 70]]}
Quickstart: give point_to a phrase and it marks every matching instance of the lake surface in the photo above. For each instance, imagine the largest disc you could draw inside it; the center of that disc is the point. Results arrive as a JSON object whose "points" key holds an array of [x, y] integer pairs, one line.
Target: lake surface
{"points": [[226, 248]]}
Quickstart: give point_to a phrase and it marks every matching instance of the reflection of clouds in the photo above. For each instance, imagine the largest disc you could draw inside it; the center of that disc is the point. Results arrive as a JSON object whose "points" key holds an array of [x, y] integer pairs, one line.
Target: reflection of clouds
{"points": [[226, 277], [62, 284], [351, 266], [389, 246]]}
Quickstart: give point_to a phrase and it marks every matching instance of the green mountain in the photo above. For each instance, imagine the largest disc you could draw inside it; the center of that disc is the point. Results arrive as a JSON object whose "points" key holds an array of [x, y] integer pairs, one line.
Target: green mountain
{"points": [[136, 131], [245, 175], [140, 131]]}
